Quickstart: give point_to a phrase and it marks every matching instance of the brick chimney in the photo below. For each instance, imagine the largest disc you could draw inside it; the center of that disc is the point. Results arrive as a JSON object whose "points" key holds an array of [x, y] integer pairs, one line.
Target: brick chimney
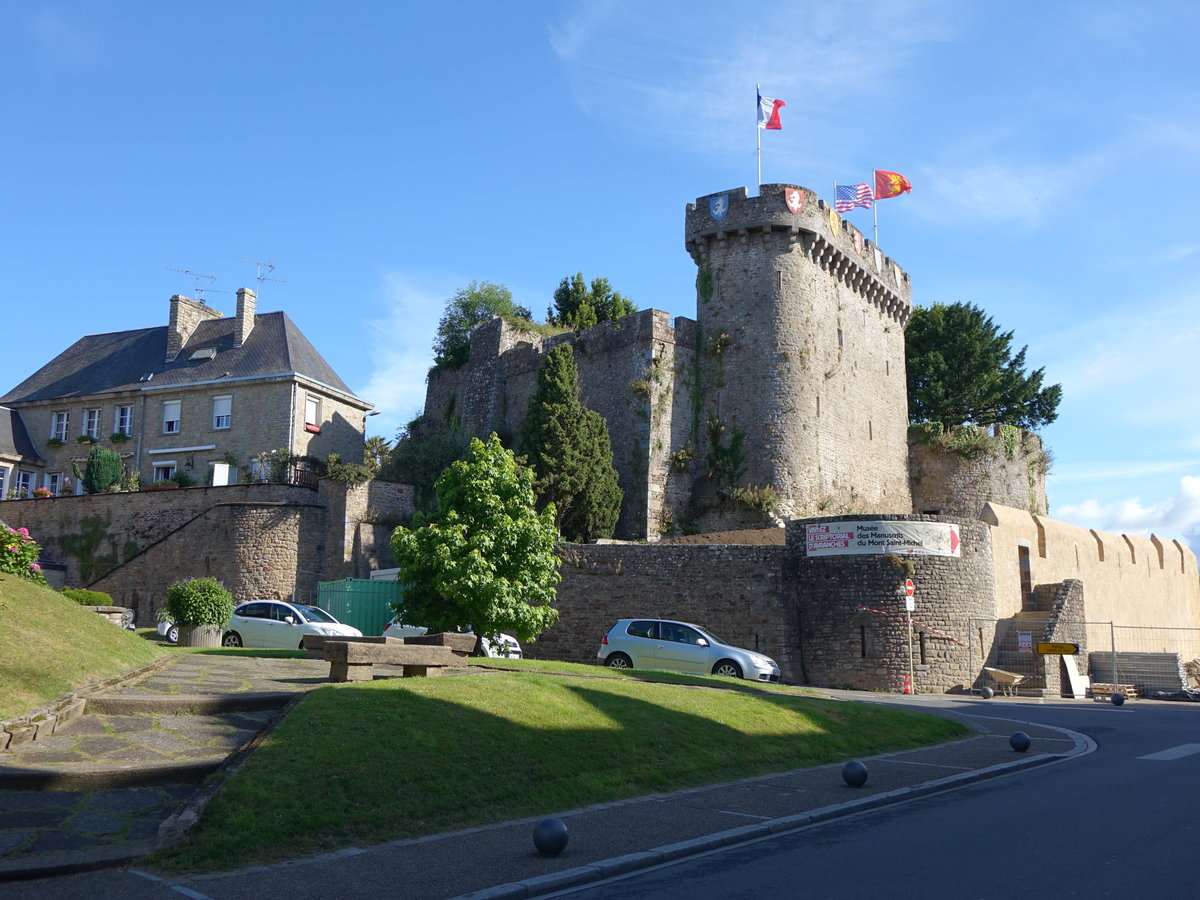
{"points": [[246, 305], [186, 314]]}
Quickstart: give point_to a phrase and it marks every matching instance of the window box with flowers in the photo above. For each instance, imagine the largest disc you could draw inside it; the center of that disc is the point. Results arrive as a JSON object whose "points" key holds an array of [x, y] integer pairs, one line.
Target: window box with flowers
{"points": [[118, 437], [55, 442], [42, 492], [86, 439]]}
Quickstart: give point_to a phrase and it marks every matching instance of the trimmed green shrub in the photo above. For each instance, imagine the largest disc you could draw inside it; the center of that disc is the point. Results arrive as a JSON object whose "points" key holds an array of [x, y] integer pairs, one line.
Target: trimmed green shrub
{"points": [[199, 601], [103, 470], [84, 597]]}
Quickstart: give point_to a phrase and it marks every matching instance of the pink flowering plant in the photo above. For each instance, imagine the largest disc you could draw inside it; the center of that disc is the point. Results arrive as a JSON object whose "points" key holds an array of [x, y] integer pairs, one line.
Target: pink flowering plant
{"points": [[19, 554]]}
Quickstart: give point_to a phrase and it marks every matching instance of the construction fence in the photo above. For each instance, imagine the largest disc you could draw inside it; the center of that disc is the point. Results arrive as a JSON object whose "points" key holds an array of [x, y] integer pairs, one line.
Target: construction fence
{"points": [[1012, 656]]}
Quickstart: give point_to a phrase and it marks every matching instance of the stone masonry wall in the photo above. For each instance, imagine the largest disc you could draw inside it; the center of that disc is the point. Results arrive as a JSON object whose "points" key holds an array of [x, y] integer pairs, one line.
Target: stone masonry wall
{"points": [[853, 625], [737, 592], [1009, 467]]}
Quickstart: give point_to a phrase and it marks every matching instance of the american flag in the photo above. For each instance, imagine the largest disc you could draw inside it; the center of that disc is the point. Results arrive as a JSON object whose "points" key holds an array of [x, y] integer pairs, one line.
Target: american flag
{"points": [[849, 196]]}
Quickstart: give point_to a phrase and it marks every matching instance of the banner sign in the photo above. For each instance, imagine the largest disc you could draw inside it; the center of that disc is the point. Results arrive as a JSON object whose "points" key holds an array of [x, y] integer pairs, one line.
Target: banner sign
{"points": [[900, 537]]}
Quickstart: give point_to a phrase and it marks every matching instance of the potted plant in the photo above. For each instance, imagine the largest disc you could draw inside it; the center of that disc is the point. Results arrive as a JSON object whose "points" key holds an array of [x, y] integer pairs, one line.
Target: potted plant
{"points": [[85, 439], [55, 442], [118, 437], [200, 607], [43, 492]]}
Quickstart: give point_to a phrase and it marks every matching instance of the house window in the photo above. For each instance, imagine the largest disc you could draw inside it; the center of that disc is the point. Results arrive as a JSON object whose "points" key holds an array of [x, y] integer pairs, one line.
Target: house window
{"points": [[123, 420], [171, 416], [3, 481], [24, 484], [91, 423], [59, 425], [312, 410], [164, 471], [222, 411], [54, 481]]}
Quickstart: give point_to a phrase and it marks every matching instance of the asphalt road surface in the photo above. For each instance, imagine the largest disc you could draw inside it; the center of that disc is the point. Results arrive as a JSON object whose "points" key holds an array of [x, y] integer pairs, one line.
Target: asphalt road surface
{"points": [[1121, 821]]}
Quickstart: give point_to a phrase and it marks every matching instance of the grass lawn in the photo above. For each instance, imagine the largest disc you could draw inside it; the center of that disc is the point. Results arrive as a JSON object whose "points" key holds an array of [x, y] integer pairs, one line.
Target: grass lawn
{"points": [[357, 764], [50, 645]]}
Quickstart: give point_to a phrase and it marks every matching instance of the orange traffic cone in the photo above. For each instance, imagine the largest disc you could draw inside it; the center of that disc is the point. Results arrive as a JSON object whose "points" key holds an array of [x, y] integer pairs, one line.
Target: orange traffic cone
{"points": [[907, 685]]}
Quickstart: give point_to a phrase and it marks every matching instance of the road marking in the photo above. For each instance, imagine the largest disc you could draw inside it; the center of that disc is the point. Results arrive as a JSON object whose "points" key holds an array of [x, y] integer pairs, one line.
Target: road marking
{"points": [[1175, 752]]}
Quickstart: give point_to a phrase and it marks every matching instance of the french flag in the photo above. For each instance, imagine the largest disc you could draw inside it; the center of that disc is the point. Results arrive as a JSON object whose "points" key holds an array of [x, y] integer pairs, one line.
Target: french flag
{"points": [[768, 113]]}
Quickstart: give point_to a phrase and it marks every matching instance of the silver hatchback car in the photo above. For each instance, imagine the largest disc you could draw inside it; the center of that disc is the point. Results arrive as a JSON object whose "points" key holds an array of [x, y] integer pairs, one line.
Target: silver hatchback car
{"points": [[680, 647]]}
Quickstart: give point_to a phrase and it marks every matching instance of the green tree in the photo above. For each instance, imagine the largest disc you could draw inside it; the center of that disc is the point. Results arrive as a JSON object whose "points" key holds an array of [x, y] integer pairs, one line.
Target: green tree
{"points": [[104, 469], [568, 447], [470, 307], [486, 558], [375, 453], [578, 306], [424, 448], [961, 370]]}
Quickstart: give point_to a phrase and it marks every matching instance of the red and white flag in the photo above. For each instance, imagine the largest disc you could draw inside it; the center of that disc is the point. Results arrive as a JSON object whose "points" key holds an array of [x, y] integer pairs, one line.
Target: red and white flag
{"points": [[768, 113]]}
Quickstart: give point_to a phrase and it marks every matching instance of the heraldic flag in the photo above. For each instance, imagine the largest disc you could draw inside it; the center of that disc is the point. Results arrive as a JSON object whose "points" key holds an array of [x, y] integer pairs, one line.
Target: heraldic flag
{"points": [[890, 184]]}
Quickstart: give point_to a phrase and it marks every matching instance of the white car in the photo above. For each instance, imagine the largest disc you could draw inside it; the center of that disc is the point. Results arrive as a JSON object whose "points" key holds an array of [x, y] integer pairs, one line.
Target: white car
{"points": [[680, 647], [168, 630], [505, 646], [274, 623]]}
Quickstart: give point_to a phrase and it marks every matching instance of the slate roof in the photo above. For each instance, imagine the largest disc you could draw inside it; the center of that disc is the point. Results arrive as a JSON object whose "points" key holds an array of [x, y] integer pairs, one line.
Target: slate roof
{"points": [[14, 436], [118, 361]]}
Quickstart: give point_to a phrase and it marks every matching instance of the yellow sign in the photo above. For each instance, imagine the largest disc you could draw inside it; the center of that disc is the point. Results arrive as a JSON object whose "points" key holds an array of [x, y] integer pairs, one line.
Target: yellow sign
{"points": [[1059, 649]]}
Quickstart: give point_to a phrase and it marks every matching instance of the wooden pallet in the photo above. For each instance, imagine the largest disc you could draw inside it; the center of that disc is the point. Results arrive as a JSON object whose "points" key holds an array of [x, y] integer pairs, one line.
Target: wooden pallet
{"points": [[1105, 691]]}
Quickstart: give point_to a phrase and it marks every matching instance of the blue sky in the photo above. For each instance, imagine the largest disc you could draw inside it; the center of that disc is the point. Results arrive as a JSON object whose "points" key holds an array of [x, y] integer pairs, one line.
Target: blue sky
{"points": [[385, 154]]}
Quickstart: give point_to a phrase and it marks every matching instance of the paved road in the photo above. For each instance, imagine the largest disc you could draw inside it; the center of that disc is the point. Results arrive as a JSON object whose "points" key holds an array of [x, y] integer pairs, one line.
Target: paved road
{"points": [[1118, 822]]}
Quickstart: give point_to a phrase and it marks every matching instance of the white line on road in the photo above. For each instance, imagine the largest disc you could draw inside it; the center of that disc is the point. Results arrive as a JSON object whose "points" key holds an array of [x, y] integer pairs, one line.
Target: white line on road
{"points": [[1174, 752]]}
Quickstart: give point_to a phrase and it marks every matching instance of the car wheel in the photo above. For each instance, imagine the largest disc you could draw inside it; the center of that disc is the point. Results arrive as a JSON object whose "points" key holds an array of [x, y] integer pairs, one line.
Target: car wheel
{"points": [[173, 634], [618, 661], [231, 639], [301, 643], [728, 668]]}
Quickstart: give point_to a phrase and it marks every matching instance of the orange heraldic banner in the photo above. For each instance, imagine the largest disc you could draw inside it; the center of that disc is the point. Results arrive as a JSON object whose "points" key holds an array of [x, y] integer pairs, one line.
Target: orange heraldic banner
{"points": [[890, 184]]}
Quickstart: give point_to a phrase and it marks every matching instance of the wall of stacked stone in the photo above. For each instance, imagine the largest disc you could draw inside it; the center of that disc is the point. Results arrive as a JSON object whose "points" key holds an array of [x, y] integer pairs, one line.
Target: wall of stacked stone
{"points": [[853, 630], [627, 373], [1009, 468], [359, 525], [260, 550], [94, 532], [736, 591]]}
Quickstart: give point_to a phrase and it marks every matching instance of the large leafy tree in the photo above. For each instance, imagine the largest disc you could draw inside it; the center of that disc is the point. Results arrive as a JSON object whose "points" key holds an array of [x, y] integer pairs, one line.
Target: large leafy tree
{"points": [[568, 447], [470, 307], [961, 369], [579, 306], [486, 558]]}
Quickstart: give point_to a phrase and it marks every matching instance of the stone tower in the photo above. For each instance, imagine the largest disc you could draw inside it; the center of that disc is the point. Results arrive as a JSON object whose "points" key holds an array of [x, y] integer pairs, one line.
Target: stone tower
{"points": [[800, 355]]}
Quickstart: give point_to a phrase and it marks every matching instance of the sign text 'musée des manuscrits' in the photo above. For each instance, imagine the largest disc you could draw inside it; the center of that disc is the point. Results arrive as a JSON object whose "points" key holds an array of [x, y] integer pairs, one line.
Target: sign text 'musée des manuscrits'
{"points": [[913, 538]]}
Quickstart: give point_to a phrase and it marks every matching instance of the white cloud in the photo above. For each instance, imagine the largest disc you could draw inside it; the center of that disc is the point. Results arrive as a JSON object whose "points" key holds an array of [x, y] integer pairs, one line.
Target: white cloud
{"points": [[65, 39], [1177, 516], [400, 343]]}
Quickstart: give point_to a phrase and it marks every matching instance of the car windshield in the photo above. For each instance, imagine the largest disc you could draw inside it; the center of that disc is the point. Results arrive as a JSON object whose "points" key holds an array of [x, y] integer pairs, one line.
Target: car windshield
{"points": [[316, 614]]}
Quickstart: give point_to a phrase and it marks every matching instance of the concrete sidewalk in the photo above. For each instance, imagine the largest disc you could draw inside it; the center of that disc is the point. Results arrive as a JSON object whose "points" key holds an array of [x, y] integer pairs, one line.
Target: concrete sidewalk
{"points": [[500, 860]]}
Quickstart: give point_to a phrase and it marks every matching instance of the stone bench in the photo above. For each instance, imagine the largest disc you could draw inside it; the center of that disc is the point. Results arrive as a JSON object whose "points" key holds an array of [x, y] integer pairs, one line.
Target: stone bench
{"points": [[352, 659], [314, 644]]}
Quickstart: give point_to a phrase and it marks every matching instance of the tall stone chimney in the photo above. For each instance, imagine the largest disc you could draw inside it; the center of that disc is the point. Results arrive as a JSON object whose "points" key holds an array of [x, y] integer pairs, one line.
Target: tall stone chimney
{"points": [[247, 302], [186, 314]]}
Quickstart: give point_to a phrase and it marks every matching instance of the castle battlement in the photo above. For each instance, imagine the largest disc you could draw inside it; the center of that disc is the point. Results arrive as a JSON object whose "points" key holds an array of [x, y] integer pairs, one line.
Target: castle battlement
{"points": [[805, 223]]}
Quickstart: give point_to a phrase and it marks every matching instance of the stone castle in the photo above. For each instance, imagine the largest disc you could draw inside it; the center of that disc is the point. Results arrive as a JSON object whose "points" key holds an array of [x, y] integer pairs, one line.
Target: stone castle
{"points": [[784, 398]]}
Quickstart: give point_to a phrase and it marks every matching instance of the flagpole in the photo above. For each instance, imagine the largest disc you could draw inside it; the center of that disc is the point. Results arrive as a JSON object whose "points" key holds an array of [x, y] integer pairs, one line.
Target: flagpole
{"points": [[875, 207], [758, 129]]}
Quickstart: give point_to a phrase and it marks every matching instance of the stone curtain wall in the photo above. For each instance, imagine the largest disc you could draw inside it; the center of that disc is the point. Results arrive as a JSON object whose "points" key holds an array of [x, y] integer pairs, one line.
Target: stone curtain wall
{"points": [[1009, 470], [737, 592], [842, 645], [629, 372], [263, 539], [260, 550]]}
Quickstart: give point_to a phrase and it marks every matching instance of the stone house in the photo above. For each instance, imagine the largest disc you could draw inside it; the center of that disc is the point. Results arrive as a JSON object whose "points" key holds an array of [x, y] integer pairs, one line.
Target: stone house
{"points": [[179, 399]]}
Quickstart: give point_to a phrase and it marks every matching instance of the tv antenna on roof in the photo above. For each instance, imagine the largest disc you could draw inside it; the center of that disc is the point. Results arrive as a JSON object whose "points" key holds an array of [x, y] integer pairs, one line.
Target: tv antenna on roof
{"points": [[259, 276], [198, 278]]}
